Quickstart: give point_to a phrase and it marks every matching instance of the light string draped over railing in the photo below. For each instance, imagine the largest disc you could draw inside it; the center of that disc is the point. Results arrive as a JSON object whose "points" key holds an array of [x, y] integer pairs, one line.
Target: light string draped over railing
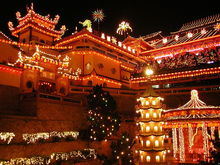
{"points": [[42, 160], [7, 136], [33, 138], [33, 46]]}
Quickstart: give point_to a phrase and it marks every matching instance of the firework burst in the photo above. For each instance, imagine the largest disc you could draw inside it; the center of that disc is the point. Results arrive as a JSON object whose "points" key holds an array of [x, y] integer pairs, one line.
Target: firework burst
{"points": [[98, 15], [123, 28]]}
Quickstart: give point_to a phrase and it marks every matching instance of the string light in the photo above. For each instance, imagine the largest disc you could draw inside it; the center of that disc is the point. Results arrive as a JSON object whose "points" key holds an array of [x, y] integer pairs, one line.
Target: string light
{"points": [[181, 145], [10, 69], [190, 134], [175, 146], [178, 75], [33, 138], [31, 45], [182, 47], [7, 136], [36, 160], [38, 22], [205, 141]]}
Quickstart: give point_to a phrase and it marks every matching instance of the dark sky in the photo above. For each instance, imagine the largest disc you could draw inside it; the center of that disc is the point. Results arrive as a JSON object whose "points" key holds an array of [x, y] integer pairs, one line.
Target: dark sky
{"points": [[144, 16]]}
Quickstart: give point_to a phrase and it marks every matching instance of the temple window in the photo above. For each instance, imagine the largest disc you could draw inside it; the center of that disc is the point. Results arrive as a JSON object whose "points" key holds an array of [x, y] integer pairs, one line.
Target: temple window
{"points": [[147, 115], [157, 158], [148, 158], [155, 128], [148, 143], [154, 115], [147, 128]]}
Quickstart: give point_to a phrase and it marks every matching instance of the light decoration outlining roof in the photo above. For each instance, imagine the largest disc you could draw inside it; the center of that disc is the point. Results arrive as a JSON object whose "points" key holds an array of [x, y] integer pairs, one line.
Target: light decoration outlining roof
{"points": [[43, 24], [178, 75], [194, 102], [34, 63], [193, 109]]}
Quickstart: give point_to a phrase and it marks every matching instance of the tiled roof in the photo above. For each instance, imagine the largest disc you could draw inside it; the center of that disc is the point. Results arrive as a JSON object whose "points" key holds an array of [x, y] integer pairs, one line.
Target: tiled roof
{"points": [[201, 28], [185, 38], [199, 23]]}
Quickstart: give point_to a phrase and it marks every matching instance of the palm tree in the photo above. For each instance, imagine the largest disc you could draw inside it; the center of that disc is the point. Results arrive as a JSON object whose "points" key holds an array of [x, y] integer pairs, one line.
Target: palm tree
{"points": [[124, 28]]}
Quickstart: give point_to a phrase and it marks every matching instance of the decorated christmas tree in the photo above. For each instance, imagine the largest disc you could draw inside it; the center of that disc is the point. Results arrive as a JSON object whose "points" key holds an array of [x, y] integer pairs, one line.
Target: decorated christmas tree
{"points": [[121, 150], [102, 115]]}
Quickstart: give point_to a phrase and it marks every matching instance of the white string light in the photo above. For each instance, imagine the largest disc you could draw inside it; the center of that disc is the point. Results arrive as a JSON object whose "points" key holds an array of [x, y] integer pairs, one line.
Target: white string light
{"points": [[205, 140], [42, 160], [7, 136], [213, 133], [33, 138], [175, 146], [190, 131], [181, 145]]}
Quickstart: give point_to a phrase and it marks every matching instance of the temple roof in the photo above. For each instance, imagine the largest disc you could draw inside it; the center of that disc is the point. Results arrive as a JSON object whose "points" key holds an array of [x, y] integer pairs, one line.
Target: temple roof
{"points": [[193, 109], [195, 103], [199, 23], [107, 41], [192, 31], [149, 92], [41, 23]]}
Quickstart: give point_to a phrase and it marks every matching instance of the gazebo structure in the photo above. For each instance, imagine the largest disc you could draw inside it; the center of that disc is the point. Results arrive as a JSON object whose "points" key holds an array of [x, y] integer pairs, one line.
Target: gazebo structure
{"points": [[193, 125]]}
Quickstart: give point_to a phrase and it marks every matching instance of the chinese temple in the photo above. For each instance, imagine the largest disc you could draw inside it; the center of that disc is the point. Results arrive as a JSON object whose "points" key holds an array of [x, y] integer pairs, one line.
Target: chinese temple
{"points": [[45, 77]]}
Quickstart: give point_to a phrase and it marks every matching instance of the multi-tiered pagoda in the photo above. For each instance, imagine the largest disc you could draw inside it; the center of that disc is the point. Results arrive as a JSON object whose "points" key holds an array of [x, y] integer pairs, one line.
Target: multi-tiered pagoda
{"points": [[150, 136]]}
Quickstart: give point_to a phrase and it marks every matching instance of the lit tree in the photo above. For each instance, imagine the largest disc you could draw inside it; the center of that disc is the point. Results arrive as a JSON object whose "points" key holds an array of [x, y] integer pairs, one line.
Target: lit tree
{"points": [[98, 16], [103, 117], [124, 28], [121, 149]]}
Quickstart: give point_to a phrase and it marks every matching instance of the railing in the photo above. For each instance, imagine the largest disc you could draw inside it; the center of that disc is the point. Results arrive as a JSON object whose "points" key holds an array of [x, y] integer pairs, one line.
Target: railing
{"points": [[186, 90], [117, 91], [113, 91], [51, 97]]}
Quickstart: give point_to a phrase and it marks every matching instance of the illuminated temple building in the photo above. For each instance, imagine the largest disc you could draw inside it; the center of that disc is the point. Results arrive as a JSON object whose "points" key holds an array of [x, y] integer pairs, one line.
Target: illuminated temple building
{"points": [[45, 77]]}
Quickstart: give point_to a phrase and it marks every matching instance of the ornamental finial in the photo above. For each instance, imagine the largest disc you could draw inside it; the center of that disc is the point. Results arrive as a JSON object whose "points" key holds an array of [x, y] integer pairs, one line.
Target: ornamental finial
{"points": [[10, 25], [18, 15]]}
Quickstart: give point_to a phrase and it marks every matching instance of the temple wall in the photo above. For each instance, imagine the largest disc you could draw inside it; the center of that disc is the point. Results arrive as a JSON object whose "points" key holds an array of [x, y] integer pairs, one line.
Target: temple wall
{"points": [[9, 78], [8, 53], [46, 113]]}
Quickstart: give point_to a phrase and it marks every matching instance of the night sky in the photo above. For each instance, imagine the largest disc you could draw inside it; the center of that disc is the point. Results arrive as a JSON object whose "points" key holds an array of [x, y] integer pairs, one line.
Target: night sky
{"points": [[144, 16]]}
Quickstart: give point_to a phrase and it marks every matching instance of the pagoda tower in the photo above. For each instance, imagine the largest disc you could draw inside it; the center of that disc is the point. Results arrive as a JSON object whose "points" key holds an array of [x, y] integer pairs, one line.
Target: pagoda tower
{"points": [[150, 136], [34, 27]]}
